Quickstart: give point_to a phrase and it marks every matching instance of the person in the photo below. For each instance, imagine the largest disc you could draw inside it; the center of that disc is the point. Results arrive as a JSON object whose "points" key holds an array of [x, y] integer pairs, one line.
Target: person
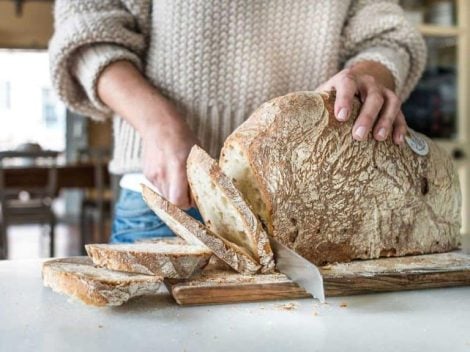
{"points": [[174, 73]]}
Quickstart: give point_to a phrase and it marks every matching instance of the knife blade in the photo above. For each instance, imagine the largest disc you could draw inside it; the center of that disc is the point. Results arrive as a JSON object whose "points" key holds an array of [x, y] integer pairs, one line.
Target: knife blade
{"points": [[298, 269]]}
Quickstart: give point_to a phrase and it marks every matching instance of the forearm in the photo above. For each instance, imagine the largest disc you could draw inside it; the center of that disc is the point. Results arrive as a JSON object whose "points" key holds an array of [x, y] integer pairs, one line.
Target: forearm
{"points": [[88, 36], [380, 73], [166, 137], [378, 31], [126, 91]]}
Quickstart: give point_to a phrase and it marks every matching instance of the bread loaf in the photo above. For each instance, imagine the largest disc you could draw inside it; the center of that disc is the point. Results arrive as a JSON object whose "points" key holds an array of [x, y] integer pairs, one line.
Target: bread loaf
{"points": [[224, 209], [161, 259], [78, 278], [196, 233], [334, 199]]}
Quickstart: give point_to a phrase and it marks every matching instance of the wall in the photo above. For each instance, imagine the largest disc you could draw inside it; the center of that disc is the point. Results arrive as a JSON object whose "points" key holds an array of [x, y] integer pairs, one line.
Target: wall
{"points": [[32, 30]]}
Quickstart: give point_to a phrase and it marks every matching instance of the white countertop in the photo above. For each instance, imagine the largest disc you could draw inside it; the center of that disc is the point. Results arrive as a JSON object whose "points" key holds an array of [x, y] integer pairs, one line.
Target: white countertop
{"points": [[33, 318]]}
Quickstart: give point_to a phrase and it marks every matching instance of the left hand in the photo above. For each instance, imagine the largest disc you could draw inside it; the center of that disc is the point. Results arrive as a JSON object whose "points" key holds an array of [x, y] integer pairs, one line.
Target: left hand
{"points": [[381, 108]]}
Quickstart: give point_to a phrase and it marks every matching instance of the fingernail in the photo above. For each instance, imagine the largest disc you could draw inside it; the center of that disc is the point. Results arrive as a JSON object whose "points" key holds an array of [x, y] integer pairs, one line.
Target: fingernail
{"points": [[360, 132], [400, 139], [382, 133], [342, 114]]}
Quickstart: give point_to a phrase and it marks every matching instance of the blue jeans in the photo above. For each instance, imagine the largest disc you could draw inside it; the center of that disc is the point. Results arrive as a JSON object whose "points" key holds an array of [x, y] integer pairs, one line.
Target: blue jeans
{"points": [[134, 220]]}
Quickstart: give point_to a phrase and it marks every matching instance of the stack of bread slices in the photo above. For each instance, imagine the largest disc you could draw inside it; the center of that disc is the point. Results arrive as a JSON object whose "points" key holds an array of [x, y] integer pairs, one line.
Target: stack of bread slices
{"points": [[294, 172], [114, 273]]}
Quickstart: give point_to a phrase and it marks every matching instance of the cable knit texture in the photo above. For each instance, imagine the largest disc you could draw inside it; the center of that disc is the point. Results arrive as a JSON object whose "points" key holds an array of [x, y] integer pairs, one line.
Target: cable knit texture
{"points": [[219, 60]]}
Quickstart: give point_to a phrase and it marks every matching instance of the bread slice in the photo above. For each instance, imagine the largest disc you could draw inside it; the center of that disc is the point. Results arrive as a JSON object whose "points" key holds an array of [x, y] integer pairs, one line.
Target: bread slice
{"points": [[167, 240], [167, 260], [80, 279], [196, 233], [334, 199], [224, 209]]}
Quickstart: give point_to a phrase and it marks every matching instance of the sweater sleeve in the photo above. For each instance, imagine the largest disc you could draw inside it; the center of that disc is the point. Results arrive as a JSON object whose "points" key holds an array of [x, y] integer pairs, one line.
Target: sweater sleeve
{"points": [[377, 30], [88, 36]]}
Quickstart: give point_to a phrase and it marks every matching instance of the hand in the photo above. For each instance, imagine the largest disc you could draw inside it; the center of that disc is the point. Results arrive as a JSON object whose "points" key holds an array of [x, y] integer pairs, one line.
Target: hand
{"points": [[165, 148], [166, 138], [381, 108]]}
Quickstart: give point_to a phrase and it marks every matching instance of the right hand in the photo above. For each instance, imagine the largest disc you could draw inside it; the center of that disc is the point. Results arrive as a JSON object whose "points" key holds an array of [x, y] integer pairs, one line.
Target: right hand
{"points": [[166, 146], [166, 138]]}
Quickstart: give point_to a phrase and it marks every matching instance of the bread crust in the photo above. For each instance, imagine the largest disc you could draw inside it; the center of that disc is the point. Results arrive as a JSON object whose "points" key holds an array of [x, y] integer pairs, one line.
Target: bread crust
{"points": [[199, 161], [333, 199], [180, 262], [78, 278], [196, 233]]}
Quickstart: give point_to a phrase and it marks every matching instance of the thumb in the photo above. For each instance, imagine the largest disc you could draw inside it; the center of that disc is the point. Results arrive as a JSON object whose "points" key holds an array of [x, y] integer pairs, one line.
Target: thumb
{"points": [[178, 191]]}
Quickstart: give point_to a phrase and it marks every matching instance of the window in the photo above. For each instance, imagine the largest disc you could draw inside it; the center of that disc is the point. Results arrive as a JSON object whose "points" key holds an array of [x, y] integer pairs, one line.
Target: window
{"points": [[29, 109], [5, 95], [49, 115]]}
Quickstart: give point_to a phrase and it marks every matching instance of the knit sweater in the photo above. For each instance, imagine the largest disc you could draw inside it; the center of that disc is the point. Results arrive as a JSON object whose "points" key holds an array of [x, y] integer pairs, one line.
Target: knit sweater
{"points": [[219, 60]]}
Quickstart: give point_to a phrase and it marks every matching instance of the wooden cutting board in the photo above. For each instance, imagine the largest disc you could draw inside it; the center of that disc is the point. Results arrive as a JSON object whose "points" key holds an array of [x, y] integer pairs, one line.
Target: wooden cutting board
{"points": [[367, 276], [217, 286], [397, 274]]}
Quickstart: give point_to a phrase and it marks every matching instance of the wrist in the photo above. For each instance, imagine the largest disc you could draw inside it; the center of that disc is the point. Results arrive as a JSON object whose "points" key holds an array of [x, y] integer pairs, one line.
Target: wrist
{"points": [[160, 119]]}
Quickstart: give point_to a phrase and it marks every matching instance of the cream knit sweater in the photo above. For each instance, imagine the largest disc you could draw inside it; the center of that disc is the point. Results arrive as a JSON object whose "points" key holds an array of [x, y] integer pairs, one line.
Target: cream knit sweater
{"points": [[220, 59]]}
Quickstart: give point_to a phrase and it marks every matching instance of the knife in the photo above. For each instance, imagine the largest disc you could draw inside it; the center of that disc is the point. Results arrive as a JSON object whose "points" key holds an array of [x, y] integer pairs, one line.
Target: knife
{"points": [[298, 269]]}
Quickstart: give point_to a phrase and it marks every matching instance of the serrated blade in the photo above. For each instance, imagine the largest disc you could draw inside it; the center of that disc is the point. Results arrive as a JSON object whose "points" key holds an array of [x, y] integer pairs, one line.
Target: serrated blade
{"points": [[298, 269]]}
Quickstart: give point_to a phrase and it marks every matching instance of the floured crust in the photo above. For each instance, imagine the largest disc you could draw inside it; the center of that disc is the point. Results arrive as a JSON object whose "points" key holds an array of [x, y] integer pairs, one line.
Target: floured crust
{"points": [[228, 202], [196, 233], [333, 199], [167, 260], [79, 278]]}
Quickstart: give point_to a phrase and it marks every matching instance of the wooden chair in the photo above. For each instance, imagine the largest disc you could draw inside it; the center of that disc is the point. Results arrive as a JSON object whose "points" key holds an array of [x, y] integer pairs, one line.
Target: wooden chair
{"points": [[24, 205]]}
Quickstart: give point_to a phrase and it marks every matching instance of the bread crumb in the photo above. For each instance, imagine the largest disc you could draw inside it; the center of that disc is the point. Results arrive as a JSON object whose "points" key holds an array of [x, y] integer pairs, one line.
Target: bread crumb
{"points": [[288, 306], [315, 313], [100, 326], [343, 305]]}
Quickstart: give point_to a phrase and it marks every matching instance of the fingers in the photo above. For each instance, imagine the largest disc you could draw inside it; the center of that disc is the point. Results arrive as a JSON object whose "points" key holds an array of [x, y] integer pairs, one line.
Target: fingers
{"points": [[387, 116], [156, 177], [179, 196], [193, 202], [380, 111], [346, 88], [373, 102], [178, 193], [400, 128], [172, 184]]}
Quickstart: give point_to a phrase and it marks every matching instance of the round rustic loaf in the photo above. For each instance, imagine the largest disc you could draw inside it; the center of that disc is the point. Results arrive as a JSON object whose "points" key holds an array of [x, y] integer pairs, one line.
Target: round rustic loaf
{"points": [[334, 199]]}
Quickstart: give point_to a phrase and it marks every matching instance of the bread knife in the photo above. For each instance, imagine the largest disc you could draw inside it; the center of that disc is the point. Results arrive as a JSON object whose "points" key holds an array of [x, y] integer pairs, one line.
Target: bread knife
{"points": [[298, 269]]}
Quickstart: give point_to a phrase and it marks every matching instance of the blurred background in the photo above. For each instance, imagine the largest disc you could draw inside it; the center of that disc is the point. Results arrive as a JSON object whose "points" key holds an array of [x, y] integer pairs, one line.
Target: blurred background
{"points": [[57, 161]]}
